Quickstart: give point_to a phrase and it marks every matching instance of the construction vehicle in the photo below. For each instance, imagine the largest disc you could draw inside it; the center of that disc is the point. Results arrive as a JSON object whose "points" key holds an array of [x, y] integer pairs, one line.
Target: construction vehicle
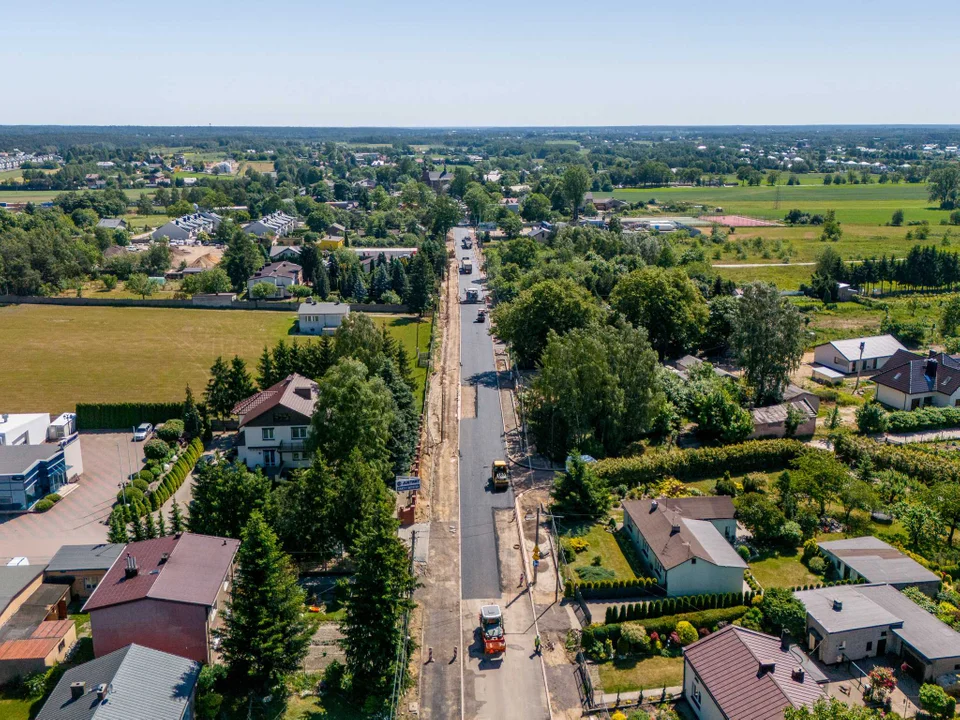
{"points": [[499, 475], [467, 243], [473, 294], [481, 315], [491, 630], [466, 266]]}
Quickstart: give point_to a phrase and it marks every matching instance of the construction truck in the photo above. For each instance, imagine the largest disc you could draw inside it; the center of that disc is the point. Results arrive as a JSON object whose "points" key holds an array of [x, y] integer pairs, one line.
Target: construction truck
{"points": [[491, 630], [499, 475], [466, 266], [473, 294], [467, 243]]}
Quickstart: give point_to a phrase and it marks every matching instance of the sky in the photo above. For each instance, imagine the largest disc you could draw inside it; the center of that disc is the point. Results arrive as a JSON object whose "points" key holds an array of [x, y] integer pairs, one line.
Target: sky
{"points": [[453, 63]]}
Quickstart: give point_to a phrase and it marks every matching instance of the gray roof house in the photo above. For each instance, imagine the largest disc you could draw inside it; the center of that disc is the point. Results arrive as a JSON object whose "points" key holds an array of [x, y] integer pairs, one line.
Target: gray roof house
{"points": [[112, 223], [910, 381], [687, 555], [873, 561], [132, 683], [188, 226], [320, 318], [845, 356], [277, 223], [852, 622], [82, 566]]}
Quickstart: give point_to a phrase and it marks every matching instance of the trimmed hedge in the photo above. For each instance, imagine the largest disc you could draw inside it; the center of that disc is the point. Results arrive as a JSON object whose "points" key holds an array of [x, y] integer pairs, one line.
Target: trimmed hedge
{"points": [[666, 624], [117, 416], [929, 418], [671, 606], [698, 463], [927, 468], [167, 485], [606, 589], [43, 505]]}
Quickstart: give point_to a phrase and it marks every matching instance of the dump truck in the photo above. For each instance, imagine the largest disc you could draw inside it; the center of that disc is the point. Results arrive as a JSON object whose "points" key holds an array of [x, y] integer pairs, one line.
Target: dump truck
{"points": [[491, 630], [499, 475], [466, 266], [473, 294]]}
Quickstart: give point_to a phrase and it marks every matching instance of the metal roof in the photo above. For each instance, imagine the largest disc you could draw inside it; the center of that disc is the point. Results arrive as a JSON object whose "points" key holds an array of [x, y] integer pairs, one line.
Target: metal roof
{"points": [[71, 558], [749, 675], [18, 459], [143, 684], [13, 580], [323, 308], [875, 346], [878, 562], [294, 392]]}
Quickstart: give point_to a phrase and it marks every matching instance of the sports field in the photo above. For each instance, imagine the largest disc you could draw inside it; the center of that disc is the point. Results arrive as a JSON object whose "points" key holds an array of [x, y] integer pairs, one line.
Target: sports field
{"points": [[60, 355]]}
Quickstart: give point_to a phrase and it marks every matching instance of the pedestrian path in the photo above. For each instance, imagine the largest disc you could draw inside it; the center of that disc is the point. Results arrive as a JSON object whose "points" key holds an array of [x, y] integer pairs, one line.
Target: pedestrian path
{"points": [[632, 697]]}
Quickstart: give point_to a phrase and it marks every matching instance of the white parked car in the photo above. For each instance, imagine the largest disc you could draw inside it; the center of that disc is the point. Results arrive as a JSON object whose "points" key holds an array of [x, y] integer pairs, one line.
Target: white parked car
{"points": [[142, 432]]}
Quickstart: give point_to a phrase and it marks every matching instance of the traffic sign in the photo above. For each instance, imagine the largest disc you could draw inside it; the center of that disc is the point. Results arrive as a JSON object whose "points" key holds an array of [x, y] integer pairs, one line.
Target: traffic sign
{"points": [[405, 483], [536, 564], [536, 552]]}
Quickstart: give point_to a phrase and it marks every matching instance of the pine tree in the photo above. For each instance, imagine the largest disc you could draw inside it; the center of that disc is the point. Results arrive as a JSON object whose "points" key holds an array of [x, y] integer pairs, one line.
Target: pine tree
{"points": [[239, 380], [192, 423], [326, 354], [321, 282], [176, 518], [422, 282], [149, 528], [398, 278], [161, 524], [265, 372], [136, 526], [118, 532], [281, 361], [217, 395], [375, 604], [403, 365], [264, 637], [380, 283]]}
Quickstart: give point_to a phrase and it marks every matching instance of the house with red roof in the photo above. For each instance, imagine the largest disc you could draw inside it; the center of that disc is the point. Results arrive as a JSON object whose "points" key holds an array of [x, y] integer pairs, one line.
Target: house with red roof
{"points": [[274, 425], [740, 674], [168, 594]]}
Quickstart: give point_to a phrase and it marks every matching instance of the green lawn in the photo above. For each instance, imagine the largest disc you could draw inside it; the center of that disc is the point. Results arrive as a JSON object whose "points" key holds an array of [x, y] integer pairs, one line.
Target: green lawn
{"points": [[17, 709], [645, 674], [66, 355], [609, 546], [782, 571]]}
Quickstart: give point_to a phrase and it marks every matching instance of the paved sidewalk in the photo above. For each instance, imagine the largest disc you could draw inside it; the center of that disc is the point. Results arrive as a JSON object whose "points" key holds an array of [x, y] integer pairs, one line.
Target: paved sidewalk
{"points": [[633, 696], [922, 436]]}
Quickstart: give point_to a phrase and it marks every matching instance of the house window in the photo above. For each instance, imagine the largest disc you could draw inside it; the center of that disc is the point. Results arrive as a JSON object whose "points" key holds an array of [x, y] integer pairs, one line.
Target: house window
{"points": [[267, 433], [696, 695], [870, 646], [90, 583], [297, 457], [62, 645], [693, 561], [883, 633], [298, 433]]}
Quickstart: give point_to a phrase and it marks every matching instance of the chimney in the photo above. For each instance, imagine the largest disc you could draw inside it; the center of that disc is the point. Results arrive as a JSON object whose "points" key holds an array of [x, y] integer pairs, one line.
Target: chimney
{"points": [[931, 353], [164, 557], [766, 668], [131, 569], [837, 605], [798, 674], [77, 690], [784, 641], [102, 690], [930, 368]]}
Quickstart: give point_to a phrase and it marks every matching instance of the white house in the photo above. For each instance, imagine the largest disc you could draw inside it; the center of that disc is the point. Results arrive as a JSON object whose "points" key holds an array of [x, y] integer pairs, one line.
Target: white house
{"points": [[687, 555], [911, 381], [315, 318], [845, 355], [279, 274], [274, 425], [740, 674]]}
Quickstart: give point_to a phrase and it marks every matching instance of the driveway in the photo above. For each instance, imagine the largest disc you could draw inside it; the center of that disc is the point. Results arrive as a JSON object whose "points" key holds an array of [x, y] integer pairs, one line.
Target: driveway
{"points": [[78, 518]]}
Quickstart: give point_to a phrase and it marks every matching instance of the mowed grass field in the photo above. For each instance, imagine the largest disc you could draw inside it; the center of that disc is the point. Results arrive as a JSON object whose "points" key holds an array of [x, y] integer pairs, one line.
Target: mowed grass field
{"points": [[39, 196], [61, 355]]}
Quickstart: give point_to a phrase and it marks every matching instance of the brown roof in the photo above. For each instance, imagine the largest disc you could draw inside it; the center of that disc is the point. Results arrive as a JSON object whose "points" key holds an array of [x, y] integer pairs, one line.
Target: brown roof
{"points": [[37, 648], [728, 663], [910, 373], [192, 572], [52, 629], [713, 507], [294, 392], [280, 269]]}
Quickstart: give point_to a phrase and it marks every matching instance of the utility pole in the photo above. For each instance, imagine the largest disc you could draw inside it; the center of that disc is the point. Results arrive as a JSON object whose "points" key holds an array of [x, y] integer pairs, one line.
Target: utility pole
{"points": [[123, 484], [859, 366]]}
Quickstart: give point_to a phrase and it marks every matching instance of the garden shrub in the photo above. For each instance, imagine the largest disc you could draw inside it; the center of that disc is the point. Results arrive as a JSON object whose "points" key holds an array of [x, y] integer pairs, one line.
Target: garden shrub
{"points": [[929, 418], [817, 565], [744, 552], [171, 430], [754, 483], [810, 550], [146, 475], [123, 416], [141, 485], [43, 505], [790, 534], [156, 449], [130, 494], [53, 497], [687, 633], [925, 467]]}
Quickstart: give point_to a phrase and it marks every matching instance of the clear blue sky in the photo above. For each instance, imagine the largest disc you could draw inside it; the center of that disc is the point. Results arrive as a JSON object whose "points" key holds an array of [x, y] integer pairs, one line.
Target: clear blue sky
{"points": [[524, 62]]}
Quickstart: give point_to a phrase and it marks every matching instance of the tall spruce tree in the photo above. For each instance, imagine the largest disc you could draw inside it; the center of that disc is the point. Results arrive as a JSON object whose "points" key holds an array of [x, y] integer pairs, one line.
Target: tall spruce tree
{"points": [[239, 380], [149, 527], [192, 422], [321, 282], [118, 531], [375, 605], [217, 396], [161, 524], [176, 518], [266, 375], [264, 637]]}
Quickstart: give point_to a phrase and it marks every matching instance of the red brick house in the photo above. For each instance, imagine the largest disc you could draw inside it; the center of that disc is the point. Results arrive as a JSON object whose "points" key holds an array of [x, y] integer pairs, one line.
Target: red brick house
{"points": [[167, 594]]}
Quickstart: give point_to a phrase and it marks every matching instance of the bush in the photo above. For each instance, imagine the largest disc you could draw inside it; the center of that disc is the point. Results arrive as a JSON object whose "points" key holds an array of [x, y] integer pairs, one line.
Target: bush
{"points": [[817, 565], [141, 485], [810, 550], [53, 497], [754, 483], [929, 418], [744, 552], [156, 449], [122, 416], [146, 475], [687, 633], [579, 545], [790, 534], [924, 467], [606, 588], [871, 419], [171, 431], [935, 701], [130, 494], [43, 505]]}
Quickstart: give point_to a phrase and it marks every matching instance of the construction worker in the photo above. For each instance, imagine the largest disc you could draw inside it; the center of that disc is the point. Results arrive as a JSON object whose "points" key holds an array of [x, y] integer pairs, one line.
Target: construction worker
{"points": [[536, 644]]}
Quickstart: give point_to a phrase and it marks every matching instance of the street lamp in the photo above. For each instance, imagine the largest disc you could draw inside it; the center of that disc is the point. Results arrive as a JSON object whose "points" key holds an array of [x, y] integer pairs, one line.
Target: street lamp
{"points": [[859, 366]]}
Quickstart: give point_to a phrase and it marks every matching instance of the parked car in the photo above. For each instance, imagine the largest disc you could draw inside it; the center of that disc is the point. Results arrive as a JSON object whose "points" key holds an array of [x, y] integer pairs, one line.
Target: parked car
{"points": [[142, 432]]}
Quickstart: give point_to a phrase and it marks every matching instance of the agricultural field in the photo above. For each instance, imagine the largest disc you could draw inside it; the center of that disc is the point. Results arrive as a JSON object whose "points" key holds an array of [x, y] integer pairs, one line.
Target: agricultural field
{"points": [[65, 355], [39, 196]]}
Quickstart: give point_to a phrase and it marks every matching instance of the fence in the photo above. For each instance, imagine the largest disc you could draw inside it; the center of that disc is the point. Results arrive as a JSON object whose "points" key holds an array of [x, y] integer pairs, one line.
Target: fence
{"points": [[273, 305]]}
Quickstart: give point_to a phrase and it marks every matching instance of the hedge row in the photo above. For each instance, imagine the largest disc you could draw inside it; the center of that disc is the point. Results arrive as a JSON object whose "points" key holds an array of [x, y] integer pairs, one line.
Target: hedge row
{"points": [[605, 589], [118, 416], [163, 490], [667, 624], [670, 606], [930, 418], [927, 468], [698, 463], [832, 583]]}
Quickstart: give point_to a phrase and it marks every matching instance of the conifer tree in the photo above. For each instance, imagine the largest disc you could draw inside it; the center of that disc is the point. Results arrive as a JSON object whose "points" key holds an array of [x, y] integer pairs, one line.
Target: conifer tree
{"points": [[161, 524], [118, 531], [265, 372], [239, 380], [217, 396], [176, 518], [136, 527], [192, 423], [149, 527]]}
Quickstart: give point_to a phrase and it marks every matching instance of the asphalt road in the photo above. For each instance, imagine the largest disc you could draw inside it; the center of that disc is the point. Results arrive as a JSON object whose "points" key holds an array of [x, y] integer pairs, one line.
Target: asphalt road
{"points": [[481, 442]]}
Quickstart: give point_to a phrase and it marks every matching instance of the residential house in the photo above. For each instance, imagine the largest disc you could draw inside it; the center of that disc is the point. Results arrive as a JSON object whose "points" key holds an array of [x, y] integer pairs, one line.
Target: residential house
{"points": [[718, 510], [94, 181], [512, 204], [277, 224], [609, 203], [539, 233], [167, 594], [853, 622], [688, 556], [188, 227], [279, 274], [132, 683], [740, 674], [112, 223], [30, 472], [771, 421], [343, 204], [322, 318], [82, 567], [438, 180], [274, 425], [330, 242], [337, 230], [911, 381], [845, 356], [872, 560], [291, 253]]}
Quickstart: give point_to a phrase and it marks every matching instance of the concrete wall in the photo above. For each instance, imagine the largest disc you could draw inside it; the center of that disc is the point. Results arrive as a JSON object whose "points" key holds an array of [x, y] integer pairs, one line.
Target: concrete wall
{"points": [[727, 528], [176, 628], [850, 645], [274, 305], [697, 576], [697, 695], [892, 398], [901, 401]]}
